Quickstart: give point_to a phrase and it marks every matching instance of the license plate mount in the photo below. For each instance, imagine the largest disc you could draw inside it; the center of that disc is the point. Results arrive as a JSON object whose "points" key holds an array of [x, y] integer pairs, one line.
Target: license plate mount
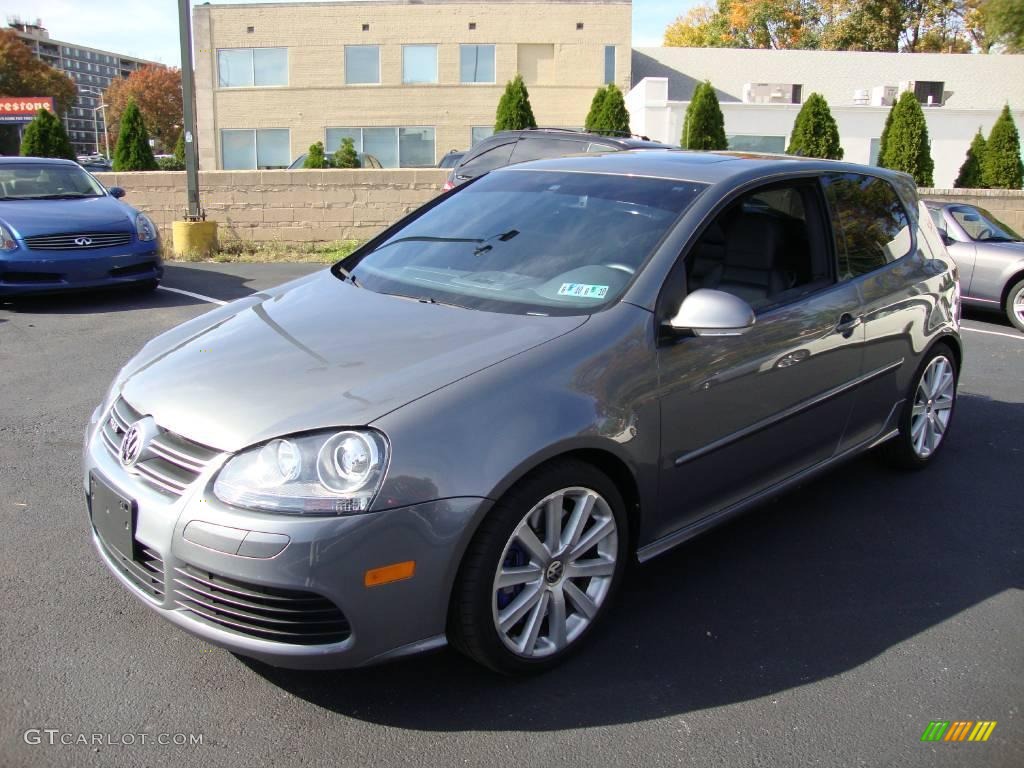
{"points": [[113, 517]]}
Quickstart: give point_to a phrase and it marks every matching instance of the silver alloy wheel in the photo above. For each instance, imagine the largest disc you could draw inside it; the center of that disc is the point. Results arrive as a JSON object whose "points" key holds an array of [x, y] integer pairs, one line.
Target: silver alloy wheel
{"points": [[933, 406], [555, 572], [1018, 306]]}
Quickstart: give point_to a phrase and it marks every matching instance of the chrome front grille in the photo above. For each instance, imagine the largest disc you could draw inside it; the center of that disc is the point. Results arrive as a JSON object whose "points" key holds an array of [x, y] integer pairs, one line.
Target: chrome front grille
{"points": [[77, 241], [175, 462], [268, 613], [145, 569]]}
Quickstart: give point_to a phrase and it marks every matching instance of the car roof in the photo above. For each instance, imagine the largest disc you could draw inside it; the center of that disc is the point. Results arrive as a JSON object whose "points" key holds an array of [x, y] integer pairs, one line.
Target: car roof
{"points": [[45, 160], [688, 165], [569, 133]]}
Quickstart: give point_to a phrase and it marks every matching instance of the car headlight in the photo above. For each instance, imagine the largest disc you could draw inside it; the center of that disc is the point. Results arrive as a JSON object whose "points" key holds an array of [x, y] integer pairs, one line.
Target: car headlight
{"points": [[320, 474], [145, 228], [7, 242]]}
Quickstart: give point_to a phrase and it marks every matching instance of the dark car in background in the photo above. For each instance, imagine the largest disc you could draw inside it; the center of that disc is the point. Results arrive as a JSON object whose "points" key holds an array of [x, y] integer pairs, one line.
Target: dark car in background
{"points": [[60, 230], [990, 256], [450, 160], [511, 147], [95, 163]]}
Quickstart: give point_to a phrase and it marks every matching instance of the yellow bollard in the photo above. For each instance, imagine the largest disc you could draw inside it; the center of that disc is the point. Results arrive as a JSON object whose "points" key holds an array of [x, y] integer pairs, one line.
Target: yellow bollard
{"points": [[194, 239]]}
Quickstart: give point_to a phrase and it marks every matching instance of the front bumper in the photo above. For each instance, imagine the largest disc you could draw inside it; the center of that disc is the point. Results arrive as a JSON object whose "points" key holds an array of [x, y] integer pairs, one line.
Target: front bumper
{"points": [[325, 557], [29, 272]]}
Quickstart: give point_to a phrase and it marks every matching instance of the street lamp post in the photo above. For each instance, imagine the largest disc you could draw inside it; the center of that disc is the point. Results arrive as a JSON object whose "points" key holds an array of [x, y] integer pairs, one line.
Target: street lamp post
{"points": [[95, 130]]}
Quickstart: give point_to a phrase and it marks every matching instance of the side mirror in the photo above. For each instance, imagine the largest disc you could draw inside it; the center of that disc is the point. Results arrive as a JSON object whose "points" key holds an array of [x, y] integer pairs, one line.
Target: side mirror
{"points": [[713, 313], [946, 239], [116, 192]]}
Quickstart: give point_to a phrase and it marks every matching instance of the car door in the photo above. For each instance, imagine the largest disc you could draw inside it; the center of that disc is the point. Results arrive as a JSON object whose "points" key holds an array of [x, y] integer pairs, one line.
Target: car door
{"points": [[740, 414], [958, 245]]}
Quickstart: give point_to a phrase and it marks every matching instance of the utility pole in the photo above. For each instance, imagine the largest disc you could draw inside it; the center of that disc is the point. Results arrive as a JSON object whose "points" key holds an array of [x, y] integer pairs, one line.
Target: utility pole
{"points": [[195, 210]]}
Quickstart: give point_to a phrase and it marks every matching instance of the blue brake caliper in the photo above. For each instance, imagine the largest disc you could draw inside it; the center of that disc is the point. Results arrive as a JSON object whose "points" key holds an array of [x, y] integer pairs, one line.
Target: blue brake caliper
{"points": [[515, 557]]}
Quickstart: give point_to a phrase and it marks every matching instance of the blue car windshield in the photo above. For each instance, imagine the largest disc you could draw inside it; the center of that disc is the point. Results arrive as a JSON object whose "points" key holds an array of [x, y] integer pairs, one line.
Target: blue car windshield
{"points": [[43, 181], [526, 241]]}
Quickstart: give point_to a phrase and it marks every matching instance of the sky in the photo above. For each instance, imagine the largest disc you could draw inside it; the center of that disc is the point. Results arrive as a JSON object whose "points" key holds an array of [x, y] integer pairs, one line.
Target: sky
{"points": [[148, 29]]}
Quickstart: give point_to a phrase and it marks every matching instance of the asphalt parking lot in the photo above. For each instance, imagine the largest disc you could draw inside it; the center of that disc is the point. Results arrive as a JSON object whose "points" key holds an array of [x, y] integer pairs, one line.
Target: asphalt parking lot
{"points": [[827, 628]]}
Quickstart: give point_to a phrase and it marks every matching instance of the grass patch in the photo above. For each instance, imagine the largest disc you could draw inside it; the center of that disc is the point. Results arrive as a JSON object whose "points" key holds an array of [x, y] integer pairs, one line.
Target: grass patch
{"points": [[266, 252]]}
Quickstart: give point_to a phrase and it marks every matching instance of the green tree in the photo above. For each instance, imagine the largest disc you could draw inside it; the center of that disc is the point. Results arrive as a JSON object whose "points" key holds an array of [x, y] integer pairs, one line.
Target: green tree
{"points": [[45, 137], [345, 156], [704, 125], [815, 133], [514, 111], [315, 156], [1001, 164], [1004, 23], [970, 172], [613, 118], [884, 139], [906, 145], [133, 152], [594, 114], [179, 149]]}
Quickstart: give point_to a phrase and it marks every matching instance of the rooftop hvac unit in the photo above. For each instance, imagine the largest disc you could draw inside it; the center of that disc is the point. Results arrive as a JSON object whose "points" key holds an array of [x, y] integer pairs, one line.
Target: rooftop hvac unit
{"points": [[927, 92], [883, 95], [862, 96], [771, 93]]}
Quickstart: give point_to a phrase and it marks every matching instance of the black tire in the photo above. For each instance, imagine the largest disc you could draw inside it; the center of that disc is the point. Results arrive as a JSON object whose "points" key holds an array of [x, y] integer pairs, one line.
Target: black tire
{"points": [[900, 451], [1015, 296], [146, 286], [471, 620]]}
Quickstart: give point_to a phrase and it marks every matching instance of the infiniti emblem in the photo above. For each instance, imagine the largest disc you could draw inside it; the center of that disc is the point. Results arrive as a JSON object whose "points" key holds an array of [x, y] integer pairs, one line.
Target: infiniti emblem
{"points": [[135, 441], [83, 241]]}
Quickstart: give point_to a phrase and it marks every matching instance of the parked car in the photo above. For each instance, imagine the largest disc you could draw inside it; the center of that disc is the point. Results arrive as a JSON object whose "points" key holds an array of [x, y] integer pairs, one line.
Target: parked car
{"points": [[60, 230], [365, 161], [990, 256], [463, 431], [451, 159], [95, 164], [511, 147]]}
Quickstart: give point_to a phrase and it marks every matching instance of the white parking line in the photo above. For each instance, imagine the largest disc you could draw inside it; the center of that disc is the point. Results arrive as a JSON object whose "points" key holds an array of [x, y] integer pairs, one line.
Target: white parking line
{"points": [[193, 295], [1016, 336]]}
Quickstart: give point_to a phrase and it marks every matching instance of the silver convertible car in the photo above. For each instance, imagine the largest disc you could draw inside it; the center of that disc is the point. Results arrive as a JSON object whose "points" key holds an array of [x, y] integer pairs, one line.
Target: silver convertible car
{"points": [[465, 430], [989, 254]]}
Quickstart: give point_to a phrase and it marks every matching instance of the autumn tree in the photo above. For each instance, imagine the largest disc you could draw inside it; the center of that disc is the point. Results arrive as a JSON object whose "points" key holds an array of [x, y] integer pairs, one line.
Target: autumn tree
{"points": [[157, 93], [970, 172], [514, 110], [1004, 22], [1001, 164], [22, 74], [45, 137], [133, 152], [703, 26], [907, 147], [704, 124], [815, 133]]}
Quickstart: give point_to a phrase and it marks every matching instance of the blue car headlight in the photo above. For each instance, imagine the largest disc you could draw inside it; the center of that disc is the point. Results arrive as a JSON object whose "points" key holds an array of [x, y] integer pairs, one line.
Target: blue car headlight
{"points": [[7, 242], [325, 473], [145, 228]]}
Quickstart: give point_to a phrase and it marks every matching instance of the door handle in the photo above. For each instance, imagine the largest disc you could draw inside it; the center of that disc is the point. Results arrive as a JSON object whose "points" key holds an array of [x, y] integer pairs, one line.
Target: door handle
{"points": [[848, 324]]}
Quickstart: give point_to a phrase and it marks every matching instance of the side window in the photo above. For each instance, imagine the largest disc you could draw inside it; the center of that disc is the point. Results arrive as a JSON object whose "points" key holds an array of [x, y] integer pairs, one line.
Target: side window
{"points": [[940, 221], [870, 222], [488, 160], [539, 149]]}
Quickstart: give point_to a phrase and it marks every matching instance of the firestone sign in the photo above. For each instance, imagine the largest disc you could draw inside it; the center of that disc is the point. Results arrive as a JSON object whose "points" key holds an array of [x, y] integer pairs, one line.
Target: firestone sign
{"points": [[22, 109]]}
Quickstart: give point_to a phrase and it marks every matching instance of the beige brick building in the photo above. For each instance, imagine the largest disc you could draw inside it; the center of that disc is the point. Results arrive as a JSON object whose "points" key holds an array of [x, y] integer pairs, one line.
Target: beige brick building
{"points": [[408, 80]]}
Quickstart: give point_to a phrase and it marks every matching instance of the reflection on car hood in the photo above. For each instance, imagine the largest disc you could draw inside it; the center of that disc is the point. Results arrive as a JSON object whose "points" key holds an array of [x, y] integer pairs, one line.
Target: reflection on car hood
{"points": [[317, 352], [52, 217]]}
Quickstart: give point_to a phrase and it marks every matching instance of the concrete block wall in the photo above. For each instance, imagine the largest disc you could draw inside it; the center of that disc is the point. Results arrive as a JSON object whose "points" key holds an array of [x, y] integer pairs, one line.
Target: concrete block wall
{"points": [[285, 206], [1007, 205]]}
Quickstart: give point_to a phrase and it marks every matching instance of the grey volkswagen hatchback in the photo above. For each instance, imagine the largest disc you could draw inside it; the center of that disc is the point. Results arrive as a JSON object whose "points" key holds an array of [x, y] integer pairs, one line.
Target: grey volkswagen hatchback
{"points": [[463, 431]]}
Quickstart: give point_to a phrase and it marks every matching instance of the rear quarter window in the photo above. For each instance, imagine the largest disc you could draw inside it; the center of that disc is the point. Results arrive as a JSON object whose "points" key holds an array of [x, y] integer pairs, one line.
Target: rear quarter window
{"points": [[488, 160], [871, 224], [541, 148]]}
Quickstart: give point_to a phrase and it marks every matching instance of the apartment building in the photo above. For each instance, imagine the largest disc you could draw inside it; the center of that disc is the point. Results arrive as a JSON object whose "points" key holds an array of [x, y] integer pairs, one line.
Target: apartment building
{"points": [[407, 80], [92, 70]]}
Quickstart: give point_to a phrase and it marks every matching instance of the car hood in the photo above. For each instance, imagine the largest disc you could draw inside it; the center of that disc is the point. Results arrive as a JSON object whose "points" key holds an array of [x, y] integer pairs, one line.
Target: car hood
{"points": [[51, 217], [317, 352]]}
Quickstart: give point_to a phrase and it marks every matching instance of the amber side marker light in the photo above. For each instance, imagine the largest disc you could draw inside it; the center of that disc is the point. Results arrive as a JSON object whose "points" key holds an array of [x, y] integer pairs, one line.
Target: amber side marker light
{"points": [[388, 573]]}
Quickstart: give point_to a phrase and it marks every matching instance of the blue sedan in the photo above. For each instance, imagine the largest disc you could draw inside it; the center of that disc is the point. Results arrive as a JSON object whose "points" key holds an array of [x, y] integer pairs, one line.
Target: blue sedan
{"points": [[61, 230]]}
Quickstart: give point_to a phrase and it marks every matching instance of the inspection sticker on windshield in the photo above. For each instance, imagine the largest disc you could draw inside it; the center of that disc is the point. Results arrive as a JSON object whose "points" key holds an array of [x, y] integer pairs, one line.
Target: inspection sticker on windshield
{"points": [[583, 290]]}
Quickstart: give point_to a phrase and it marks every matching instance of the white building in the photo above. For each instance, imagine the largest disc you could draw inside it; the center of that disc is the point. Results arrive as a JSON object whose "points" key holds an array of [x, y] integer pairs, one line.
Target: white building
{"points": [[761, 92]]}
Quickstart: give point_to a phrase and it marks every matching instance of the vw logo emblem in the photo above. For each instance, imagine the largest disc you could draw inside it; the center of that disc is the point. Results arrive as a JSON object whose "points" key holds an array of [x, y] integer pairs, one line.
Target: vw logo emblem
{"points": [[554, 571], [135, 441], [83, 241]]}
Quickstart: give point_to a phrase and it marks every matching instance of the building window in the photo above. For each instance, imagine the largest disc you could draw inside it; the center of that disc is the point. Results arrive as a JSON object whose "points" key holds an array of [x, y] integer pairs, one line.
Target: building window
{"points": [[419, 64], [249, 67], [405, 147], [609, 64], [362, 64], [480, 132], [775, 144], [263, 148], [476, 63]]}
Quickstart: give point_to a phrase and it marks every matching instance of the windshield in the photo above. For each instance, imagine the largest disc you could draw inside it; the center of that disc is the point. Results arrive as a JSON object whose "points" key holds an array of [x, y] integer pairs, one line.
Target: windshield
{"points": [[38, 181], [982, 226], [526, 241]]}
